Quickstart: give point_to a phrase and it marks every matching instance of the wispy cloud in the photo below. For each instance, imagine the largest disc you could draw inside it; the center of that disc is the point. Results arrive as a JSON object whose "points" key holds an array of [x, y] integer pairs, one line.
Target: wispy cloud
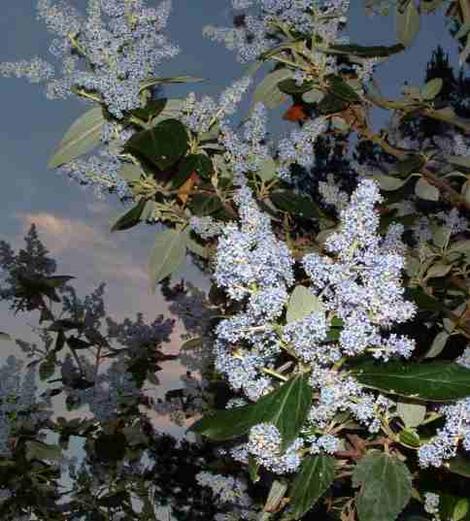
{"points": [[80, 244]]}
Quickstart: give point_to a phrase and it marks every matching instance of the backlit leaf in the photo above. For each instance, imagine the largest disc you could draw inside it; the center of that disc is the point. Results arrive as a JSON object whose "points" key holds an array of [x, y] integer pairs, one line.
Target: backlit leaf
{"points": [[82, 137]]}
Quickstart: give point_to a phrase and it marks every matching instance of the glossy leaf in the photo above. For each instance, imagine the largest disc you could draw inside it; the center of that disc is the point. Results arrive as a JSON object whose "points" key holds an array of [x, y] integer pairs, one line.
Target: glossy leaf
{"points": [[168, 254], [313, 480], [436, 381], [342, 90], [286, 407], [131, 218], [82, 137], [291, 202], [205, 204], [197, 163], [161, 145], [371, 51], [385, 483]]}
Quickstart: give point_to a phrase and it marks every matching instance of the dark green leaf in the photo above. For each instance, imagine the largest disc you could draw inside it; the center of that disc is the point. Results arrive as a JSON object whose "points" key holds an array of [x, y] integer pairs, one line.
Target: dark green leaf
{"points": [[77, 343], [161, 145], [131, 217], [167, 255], [151, 109], [291, 202], [46, 368], [371, 51], [385, 484], [205, 204], [459, 465], [290, 86], [315, 476], [342, 90], [82, 137], [286, 407], [331, 104], [197, 163], [436, 381]]}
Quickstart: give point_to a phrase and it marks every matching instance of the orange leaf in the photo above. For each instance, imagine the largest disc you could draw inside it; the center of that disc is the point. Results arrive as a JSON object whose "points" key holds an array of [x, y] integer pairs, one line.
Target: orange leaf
{"points": [[295, 113]]}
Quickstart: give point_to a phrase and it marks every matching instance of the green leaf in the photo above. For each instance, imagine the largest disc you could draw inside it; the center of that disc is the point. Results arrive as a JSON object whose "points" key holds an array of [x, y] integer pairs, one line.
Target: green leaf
{"points": [[385, 484], [459, 465], [426, 190], [267, 170], [389, 183], [151, 82], [290, 86], [313, 96], [205, 204], [198, 163], [342, 90], [412, 414], [432, 88], [302, 302], [36, 450], [161, 145], [130, 172], [167, 255], [436, 381], [276, 496], [371, 51], [315, 476], [46, 368], [408, 23], [131, 218], [290, 202], [286, 407], [268, 92], [171, 110], [82, 137]]}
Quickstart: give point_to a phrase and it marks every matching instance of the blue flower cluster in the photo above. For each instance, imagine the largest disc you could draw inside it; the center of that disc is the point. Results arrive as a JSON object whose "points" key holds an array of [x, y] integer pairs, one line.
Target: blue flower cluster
{"points": [[264, 444], [107, 54], [200, 115], [357, 296], [259, 30]]}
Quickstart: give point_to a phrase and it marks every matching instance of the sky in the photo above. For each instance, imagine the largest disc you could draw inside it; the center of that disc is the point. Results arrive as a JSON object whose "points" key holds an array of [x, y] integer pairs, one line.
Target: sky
{"points": [[71, 221]]}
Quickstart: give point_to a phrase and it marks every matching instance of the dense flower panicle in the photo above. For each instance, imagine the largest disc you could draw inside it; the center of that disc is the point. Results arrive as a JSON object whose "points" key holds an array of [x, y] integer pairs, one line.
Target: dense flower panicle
{"points": [[264, 443], [257, 34], [200, 115], [107, 54], [100, 172], [298, 147], [359, 297], [454, 433], [246, 152], [332, 194]]}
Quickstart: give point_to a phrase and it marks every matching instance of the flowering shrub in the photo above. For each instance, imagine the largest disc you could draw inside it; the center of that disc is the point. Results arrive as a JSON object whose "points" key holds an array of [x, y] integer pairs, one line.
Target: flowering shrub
{"points": [[333, 344]]}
